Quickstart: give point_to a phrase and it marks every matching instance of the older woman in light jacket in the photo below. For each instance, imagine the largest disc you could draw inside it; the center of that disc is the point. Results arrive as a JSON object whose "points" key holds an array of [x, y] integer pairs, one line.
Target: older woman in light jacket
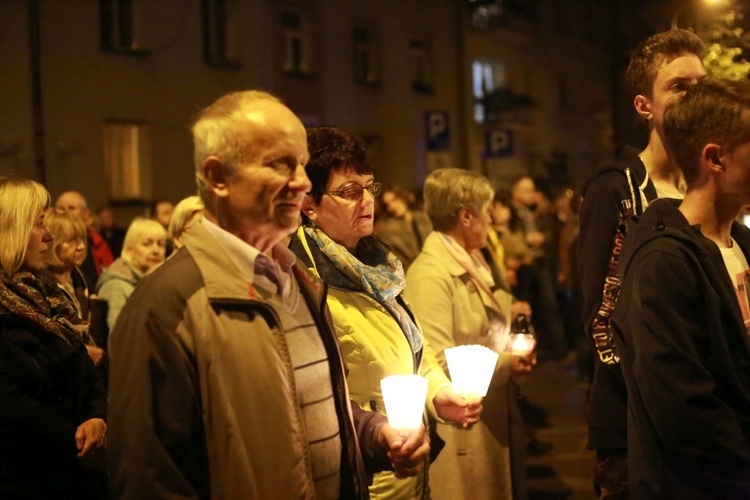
{"points": [[455, 300], [142, 251]]}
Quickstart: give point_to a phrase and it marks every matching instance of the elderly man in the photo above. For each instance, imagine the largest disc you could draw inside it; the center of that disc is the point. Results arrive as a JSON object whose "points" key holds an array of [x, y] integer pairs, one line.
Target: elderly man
{"points": [[99, 254], [226, 378]]}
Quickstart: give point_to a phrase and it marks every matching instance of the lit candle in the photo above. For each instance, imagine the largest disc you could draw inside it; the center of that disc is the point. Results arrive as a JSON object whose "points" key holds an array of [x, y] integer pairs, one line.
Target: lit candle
{"points": [[404, 397], [522, 343], [471, 368]]}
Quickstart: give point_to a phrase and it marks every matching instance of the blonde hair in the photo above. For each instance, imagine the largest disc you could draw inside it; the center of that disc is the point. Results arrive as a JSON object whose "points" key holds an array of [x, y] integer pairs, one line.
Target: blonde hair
{"points": [[449, 190], [217, 132], [21, 201], [63, 226], [183, 212], [138, 230]]}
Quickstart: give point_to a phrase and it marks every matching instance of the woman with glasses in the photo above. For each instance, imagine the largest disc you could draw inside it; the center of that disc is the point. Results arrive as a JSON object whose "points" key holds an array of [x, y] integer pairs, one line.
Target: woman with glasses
{"points": [[65, 254], [378, 333]]}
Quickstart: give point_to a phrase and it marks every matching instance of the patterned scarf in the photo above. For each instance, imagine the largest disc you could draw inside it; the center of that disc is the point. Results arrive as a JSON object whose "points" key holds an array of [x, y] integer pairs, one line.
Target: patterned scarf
{"points": [[477, 269], [41, 302], [383, 280]]}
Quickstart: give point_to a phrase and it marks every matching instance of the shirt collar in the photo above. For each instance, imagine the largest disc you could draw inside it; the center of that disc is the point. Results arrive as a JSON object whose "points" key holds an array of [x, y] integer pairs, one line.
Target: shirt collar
{"points": [[243, 255]]}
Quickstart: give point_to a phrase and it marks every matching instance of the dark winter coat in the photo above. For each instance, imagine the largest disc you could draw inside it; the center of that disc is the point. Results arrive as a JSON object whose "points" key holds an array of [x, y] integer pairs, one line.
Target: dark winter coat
{"points": [[47, 389]]}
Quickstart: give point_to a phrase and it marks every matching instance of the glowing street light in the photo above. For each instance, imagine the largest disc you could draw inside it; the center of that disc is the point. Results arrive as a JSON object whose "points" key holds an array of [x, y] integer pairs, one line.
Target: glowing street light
{"points": [[680, 10]]}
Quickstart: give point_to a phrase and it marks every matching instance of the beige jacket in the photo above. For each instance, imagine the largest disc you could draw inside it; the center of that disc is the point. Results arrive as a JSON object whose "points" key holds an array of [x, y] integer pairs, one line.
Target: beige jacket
{"points": [[487, 460], [202, 391]]}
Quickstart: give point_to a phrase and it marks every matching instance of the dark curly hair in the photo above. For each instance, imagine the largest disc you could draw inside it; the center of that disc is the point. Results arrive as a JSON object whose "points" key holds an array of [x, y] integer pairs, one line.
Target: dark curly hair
{"points": [[333, 149]]}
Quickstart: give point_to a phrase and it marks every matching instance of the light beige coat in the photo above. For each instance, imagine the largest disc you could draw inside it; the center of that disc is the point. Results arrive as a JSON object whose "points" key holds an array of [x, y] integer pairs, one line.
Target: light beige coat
{"points": [[486, 461]]}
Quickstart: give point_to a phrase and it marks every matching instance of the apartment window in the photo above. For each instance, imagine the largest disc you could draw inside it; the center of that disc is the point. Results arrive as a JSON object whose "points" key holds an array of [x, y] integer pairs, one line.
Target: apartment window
{"points": [[486, 78], [122, 27], [365, 60], [219, 34], [421, 65], [296, 43], [126, 161]]}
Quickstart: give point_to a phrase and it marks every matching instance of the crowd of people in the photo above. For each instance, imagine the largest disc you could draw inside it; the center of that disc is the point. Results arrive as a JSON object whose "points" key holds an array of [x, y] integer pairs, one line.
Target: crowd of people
{"points": [[232, 345]]}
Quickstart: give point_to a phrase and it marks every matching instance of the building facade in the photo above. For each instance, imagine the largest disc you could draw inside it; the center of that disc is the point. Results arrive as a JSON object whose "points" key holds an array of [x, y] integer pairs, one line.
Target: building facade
{"points": [[99, 95]]}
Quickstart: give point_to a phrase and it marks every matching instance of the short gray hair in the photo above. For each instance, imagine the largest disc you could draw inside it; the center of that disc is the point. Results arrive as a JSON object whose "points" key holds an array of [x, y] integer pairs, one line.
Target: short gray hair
{"points": [[216, 132], [449, 190], [183, 212]]}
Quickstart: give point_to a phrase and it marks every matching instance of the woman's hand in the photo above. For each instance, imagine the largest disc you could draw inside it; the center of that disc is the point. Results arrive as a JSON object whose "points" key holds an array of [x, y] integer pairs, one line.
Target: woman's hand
{"points": [[463, 411], [91, 441], [521, 365], [96, 354], [406, 453]]}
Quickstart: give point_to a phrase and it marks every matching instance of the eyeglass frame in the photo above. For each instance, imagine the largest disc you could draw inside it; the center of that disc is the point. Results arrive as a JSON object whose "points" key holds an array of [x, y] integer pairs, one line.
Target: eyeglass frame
{"points": [[374, 188]]}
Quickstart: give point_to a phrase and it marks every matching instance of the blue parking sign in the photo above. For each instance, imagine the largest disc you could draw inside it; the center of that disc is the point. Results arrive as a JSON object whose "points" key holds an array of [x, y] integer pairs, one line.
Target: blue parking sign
{"points": [[438, 131], [499, 143]]}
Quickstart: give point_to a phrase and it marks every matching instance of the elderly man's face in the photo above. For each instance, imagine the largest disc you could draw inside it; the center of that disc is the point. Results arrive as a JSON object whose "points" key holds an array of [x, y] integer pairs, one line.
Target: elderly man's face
{"points": [[266, 192], [73, 203]]}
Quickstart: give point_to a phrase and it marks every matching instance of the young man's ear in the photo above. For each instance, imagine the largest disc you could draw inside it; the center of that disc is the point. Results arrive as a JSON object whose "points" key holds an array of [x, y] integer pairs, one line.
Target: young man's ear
{"points": [[643, 106], [308, 208], [712, 154], [215, 174]]}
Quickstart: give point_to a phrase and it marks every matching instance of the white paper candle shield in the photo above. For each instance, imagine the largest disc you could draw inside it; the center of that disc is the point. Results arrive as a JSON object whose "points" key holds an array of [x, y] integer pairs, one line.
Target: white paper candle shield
{"points": [[404, 397], [522, 343], [471, 368]]}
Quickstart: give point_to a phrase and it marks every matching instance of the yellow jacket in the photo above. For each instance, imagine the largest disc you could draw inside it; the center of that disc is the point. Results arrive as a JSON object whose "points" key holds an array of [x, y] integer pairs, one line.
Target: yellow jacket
{"points": [[374, 346]]}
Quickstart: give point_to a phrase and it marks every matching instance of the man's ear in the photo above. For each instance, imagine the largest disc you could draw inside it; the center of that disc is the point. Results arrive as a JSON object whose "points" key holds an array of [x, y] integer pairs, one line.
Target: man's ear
{"points": [[643, 106], [215, 173], [308, 208], [464, 217], [711, 155]]}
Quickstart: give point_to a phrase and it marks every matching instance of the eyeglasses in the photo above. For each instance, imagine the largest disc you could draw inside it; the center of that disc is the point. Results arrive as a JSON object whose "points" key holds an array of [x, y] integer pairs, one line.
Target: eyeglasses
{"points": [[355, 191]]}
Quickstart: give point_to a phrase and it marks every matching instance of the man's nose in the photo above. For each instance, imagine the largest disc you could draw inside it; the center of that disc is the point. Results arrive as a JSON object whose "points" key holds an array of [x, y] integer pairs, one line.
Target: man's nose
{"points": [[300, 181]]}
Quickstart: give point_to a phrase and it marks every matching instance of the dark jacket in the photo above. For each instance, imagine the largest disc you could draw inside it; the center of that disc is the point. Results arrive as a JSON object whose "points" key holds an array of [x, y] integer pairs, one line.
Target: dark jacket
{"points": [[203, 395], [685, 355], [47, 389], [610, 197]]}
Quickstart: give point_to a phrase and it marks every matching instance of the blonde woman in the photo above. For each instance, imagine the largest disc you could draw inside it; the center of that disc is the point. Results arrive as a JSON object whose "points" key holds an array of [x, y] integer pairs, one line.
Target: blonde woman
{"points": [[52, 403], [142, 251], [65, 254], [452, 294]]}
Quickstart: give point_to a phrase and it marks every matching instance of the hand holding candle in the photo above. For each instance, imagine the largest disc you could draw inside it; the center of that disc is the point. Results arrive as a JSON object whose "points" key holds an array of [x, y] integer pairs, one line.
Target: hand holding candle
{"points": [[406, 453], [462, 410]]}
